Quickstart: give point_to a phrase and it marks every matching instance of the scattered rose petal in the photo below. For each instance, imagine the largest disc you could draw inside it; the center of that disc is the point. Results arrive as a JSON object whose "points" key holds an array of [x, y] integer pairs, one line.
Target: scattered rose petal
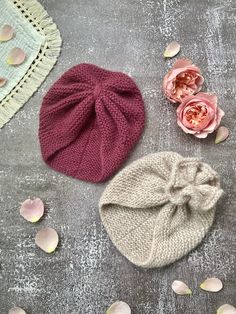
{"points": [[6, 33], [172, 49], [119, 307], [180, 287], [3, 81], [32, 210], [16, 310], [212, 285], [226, 309], [16, 56], [221, 134], [47, 239]]}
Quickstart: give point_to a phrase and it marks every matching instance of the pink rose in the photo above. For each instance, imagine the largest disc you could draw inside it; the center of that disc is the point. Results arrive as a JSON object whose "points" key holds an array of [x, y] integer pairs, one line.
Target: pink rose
{"points": [[182, 80], [199, 114]]}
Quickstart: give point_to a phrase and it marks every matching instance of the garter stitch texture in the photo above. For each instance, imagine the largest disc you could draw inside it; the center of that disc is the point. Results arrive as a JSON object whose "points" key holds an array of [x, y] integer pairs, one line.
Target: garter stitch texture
{"points": [[90, 120], [160, 207]]}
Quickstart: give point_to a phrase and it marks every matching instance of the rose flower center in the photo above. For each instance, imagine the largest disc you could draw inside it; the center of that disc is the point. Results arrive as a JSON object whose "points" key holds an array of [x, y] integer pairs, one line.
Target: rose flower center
{"points": [[196, 115], [185, 84], [186, 78]]}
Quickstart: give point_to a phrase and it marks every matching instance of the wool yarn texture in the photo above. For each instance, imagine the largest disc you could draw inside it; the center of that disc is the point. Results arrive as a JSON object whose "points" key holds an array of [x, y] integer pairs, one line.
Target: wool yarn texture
{"points": [[90, 120], [160, 207]]}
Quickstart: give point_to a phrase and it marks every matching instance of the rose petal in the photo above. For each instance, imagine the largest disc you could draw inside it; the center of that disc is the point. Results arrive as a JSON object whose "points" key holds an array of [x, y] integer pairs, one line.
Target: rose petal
{"points": [[47, 239], [3, 81], [16, 310], [207, 97], [177, 71], [220, 115], [16, 56], [182, 63], [199, 83], [222, 134], [186, 130], [32, 210], [226, 309], [181, 288], [119, 307], [6, 33], [201, 134], [212, 285], [172, 49]]}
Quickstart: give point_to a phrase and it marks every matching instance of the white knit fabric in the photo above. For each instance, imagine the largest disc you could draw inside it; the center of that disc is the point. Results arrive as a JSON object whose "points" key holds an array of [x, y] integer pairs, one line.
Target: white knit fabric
{"points": [[160, 207]]}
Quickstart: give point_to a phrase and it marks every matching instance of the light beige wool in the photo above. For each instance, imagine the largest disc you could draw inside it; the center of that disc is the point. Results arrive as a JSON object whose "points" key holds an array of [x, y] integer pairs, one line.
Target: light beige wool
{"points": [[160, 207]]}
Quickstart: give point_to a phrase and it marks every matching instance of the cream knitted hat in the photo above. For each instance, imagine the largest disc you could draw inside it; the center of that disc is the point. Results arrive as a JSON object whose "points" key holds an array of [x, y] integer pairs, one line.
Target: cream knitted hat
{"points": [[160, 207]]}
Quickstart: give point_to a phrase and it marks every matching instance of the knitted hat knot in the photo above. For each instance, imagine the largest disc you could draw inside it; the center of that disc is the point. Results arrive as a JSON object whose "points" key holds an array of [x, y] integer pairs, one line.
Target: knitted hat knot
{"points": [[186, 188], [160, 207]]}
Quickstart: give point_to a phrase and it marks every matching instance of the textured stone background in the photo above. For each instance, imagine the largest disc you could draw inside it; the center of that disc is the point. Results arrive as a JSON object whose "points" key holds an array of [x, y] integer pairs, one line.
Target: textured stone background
{"points": [[87, 274]]}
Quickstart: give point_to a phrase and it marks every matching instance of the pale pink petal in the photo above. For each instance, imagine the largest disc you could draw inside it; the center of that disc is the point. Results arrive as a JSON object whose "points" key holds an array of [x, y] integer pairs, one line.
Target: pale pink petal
{"points": [[222, 134], [181, 63], [119, 307], [47, 239], [16, 56], [6, 33], [16, 310], [202, 134], [220, 115], [172, 49], [32, 210], [226, 309], [212, 285], [179, 287]]}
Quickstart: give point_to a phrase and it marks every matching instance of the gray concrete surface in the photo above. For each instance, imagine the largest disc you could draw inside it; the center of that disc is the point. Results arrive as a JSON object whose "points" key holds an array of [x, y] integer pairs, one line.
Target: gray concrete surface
{"points": [[86, 274]]}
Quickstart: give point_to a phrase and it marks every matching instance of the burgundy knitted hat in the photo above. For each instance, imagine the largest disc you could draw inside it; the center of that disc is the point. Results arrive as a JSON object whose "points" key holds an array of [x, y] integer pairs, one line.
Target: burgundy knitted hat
{"points": [[90, 119]]}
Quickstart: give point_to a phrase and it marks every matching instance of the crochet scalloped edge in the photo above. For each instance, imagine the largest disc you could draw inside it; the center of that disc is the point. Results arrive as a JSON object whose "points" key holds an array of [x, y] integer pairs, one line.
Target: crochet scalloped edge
{"points": [[34, 12]]}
